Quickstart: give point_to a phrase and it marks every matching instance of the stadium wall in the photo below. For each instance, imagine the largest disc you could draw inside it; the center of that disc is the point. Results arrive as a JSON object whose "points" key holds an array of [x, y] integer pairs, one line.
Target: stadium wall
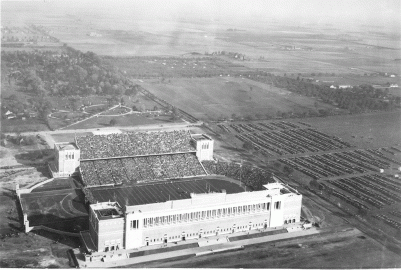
{"points": [[201, 216]]}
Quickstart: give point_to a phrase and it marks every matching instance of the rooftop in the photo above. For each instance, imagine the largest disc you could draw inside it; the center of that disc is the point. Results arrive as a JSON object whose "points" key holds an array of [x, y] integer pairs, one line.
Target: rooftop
{"points": [[200, 137], [66, 146], [107, 210]]}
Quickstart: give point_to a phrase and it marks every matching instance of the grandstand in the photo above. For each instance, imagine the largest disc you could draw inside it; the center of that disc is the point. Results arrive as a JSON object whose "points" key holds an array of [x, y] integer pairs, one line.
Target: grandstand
{"points": [[117, 158]]}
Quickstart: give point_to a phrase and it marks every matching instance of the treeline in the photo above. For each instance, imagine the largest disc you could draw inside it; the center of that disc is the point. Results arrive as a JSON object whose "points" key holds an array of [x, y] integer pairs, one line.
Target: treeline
{"points": [[65, 73], [358, 99]]}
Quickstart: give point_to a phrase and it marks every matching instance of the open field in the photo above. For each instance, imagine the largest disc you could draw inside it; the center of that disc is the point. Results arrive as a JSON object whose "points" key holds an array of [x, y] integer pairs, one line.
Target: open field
{"points": [[216, 98], [364, 130], [284, 48]]}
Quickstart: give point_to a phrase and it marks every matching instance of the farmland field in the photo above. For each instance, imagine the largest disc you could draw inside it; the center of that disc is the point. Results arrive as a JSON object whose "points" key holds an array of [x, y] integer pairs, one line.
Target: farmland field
{"points": [[214, 98]]}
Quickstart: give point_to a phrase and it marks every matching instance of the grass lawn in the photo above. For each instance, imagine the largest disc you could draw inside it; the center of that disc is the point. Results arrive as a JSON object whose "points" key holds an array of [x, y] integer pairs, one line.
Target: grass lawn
{"points": [[214, 98]]}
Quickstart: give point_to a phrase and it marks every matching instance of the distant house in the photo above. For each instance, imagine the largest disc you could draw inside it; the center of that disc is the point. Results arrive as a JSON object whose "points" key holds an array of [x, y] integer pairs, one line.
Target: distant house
{"points": [[333, 87], [344, 86], [10, 115], [394, 85], [94, 34]]}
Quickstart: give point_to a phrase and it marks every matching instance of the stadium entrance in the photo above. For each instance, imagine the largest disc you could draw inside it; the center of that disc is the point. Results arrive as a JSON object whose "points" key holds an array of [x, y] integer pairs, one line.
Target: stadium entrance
{"points": [[183, 236]]}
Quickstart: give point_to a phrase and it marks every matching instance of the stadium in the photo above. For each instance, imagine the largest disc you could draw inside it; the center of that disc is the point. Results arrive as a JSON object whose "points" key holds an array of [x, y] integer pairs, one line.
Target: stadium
{"points": [[151, 188]]}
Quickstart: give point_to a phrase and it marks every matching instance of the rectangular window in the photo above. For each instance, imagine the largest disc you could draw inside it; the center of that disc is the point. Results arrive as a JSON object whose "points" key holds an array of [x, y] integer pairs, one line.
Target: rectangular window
{"points": [[213, 213], [268, 206], [219, 213], [258, 206], [277, 205], [249, 208], [203, 214], [224, 211], [228, 211], [263, 206], [145, 224], [234, 211], [208, 214], [253, 208], [174, 218], [239, 210], [134, 224]]}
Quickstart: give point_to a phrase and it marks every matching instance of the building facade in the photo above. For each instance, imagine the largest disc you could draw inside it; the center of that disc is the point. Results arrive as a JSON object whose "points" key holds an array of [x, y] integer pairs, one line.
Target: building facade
{"points": [[67, 160], [204, 146], [113, 227]]}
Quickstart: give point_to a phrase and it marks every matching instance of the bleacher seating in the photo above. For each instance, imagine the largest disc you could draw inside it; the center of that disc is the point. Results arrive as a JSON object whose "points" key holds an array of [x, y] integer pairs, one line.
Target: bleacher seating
{"points": [[134, 144]]}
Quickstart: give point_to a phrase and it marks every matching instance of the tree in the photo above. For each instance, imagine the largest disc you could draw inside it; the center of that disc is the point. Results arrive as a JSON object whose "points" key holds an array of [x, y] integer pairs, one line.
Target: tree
{"points": [[249, 118], [314, 184], [288, 169], [248, 146], [113, 122], [175, 114]]}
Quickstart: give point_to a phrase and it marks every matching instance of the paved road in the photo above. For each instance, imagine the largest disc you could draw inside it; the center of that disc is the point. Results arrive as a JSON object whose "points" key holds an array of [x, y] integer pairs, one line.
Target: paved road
{"points": [[192, 251], [46, 135]]}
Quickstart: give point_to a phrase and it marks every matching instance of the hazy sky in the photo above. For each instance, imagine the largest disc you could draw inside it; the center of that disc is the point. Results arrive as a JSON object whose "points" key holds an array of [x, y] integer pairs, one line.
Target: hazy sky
{"points": [[323, 11]]}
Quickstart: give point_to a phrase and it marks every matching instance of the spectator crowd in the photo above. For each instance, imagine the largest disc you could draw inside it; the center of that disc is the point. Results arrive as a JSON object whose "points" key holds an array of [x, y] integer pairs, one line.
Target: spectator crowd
{"points": [[134, 144], [251, 176], [139, 169]]}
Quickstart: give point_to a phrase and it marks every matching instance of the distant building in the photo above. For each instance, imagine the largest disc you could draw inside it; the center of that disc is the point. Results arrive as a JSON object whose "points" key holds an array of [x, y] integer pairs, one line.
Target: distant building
{"points": [[344, 86], [10, 115], [94, 34], [393, 85], [333, 87]]}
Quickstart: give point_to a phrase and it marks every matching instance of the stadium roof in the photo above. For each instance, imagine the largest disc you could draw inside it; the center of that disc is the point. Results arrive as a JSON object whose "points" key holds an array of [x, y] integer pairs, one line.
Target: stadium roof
{"points": [[66, 146], [200, 137], [161, 191]]}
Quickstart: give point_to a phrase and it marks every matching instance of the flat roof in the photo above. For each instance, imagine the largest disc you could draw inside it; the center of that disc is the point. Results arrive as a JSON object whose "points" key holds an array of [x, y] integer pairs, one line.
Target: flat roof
{"points": [[107, 210], [162, 191], [199, 137], [66, 146]]}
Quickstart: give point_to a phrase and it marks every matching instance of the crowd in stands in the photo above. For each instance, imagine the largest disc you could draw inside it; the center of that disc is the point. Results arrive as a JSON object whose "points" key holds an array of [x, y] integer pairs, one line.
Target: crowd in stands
{"points": [[251, 176], [134, 144], [139, 169]]}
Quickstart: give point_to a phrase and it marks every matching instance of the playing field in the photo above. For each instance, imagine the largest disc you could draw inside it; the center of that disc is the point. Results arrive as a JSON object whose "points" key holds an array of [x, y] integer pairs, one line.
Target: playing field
{"points": [[216, 98]]}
